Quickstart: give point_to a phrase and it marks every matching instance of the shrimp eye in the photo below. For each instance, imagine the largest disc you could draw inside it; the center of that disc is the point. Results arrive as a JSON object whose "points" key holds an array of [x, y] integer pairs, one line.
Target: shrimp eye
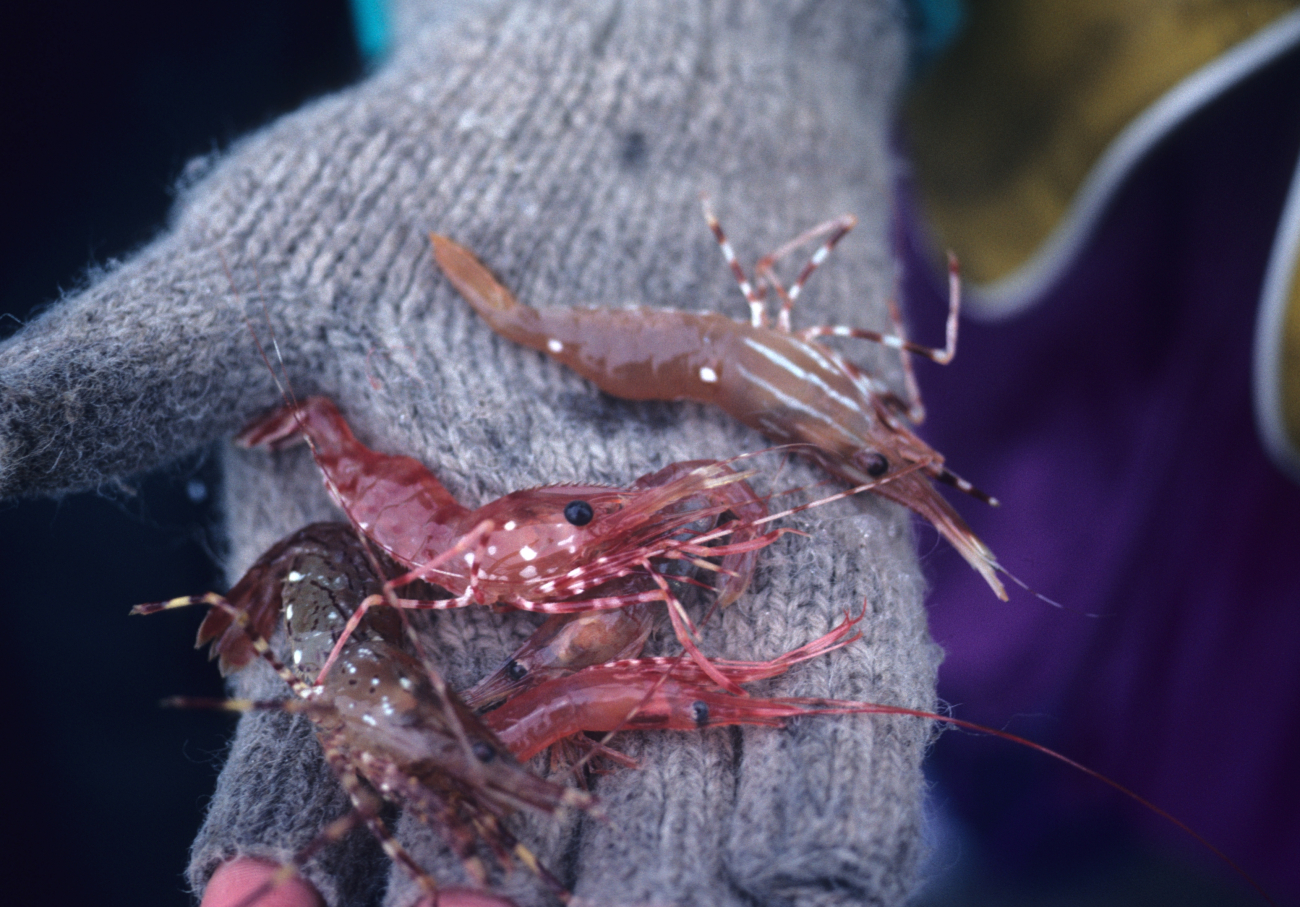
{"points": [[700, 712], [515, 671], [579, 513], [877, 465], [482, 751]]}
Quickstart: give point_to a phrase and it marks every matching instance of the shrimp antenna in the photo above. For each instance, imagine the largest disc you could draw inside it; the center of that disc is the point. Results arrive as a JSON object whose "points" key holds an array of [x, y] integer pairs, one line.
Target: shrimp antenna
{"points": [[285, 387], [1078, 766]]}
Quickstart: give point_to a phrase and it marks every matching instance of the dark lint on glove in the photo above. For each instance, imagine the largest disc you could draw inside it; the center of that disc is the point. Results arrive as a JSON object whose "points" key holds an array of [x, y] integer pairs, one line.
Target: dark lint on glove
{"points": [[567, 145]]}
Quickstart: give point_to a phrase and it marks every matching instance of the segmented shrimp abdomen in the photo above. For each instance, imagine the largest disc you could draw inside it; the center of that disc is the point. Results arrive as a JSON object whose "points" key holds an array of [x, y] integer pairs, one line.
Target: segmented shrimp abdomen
{"points": [[395, 500], [258, 592], [635, 353], [640, 353]]}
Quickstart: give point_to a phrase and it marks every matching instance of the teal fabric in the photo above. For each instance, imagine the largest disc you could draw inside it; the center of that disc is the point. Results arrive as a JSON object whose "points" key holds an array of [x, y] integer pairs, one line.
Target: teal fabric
{"points": [[371, 22], [932, 25]]}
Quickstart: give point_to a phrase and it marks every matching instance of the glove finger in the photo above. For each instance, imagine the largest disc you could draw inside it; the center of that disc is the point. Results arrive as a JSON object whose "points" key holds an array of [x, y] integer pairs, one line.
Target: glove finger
{"points": [[568, 153]]}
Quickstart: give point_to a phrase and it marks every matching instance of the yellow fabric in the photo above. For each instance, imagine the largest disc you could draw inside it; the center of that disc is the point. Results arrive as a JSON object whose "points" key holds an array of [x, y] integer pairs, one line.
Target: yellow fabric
{"points": [[1006, 127]]}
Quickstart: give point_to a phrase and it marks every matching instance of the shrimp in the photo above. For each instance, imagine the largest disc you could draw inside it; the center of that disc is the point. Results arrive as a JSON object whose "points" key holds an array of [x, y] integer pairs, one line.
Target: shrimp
{"points": [[649, 694], [386, 722], [569, 642], [556, 549], [565, 643], [778, 381], [258, 595]]}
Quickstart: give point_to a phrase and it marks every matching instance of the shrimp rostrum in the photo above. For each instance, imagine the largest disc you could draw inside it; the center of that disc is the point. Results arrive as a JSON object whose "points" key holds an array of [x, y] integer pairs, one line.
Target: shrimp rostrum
{"points": [[779, 381]]}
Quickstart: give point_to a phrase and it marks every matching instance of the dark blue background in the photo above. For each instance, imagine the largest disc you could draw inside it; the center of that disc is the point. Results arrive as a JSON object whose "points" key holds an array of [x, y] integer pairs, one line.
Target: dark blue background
{"points": [[101, 105]]}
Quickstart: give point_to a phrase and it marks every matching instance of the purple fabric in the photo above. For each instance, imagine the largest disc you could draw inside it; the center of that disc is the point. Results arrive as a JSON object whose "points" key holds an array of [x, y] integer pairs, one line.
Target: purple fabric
{"points": [[1114, 421]]}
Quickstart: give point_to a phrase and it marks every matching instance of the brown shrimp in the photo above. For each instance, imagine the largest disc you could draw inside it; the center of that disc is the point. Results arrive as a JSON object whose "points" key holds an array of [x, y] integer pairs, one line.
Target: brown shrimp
{"points": [[258, 594], [388, 726], [778, 381], [556, 549]]}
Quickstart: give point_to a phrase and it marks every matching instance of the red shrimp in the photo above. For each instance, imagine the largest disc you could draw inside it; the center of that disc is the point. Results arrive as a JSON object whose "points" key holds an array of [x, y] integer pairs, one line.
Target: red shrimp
{"points": [[648, 694], [778, 381], [563, 644], [669, 694], [567, 643], [555, 549]]}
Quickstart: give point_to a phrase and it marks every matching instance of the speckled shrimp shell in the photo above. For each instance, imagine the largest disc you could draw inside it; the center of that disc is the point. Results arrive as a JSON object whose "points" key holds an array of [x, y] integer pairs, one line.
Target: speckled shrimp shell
{"points": [[389, 727], [556, 549]]}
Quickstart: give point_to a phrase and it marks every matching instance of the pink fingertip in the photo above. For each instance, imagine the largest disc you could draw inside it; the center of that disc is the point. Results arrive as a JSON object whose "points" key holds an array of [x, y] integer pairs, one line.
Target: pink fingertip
{"points": [[234, 881]]}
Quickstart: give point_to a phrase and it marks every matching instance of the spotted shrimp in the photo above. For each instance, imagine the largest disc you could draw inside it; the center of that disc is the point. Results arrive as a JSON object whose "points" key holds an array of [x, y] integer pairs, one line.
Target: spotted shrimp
{"points": [[774, 379], [555, 549], [387, 724]]}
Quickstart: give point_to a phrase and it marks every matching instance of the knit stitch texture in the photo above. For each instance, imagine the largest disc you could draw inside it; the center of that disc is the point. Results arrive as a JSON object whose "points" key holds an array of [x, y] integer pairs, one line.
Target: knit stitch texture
{"points": [[567, 144]]}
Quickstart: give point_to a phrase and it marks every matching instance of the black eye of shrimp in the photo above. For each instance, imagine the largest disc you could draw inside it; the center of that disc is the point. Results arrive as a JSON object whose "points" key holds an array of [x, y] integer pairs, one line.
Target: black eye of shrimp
{"points": [[877, 465], [579, 513], [482, 751], [515, 671], [700, 712]]}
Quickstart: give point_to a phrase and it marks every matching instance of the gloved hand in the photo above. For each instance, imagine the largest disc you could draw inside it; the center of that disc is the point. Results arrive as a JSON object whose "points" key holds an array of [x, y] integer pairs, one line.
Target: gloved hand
{"points": [[566, 144]]}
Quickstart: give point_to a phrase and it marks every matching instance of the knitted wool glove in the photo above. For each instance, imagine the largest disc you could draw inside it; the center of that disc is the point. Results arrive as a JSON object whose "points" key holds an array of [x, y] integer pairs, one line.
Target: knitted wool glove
{"points": [[567, 145]]}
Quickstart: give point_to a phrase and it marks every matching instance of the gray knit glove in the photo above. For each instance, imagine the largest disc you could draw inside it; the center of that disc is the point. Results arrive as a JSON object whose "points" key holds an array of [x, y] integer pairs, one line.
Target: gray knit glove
{"points": [[567, 145]]}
